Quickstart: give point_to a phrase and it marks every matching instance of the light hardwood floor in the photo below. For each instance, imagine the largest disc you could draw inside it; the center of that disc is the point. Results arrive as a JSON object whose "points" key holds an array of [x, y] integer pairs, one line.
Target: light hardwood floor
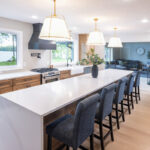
{"points": [[134, 133]]}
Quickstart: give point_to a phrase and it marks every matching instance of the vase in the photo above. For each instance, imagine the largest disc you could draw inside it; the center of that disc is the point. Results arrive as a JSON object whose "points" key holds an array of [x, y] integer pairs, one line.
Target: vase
{"points": [[94, 71]]}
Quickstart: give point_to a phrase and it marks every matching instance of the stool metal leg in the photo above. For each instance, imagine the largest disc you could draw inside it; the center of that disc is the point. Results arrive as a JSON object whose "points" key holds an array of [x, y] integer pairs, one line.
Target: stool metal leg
{"points": [[132, 101], [136, 95], [49, 147], [91, 142], [122, 111], [67, 147], [139, 93], [117, 117], [111, 129], [128, 100], [101, 135]]}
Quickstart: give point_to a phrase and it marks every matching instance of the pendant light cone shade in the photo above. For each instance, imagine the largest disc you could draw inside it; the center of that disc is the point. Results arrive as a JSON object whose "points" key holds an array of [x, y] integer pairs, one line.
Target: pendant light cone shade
{"points": [[96, 37], [55, 28], [115, 42]]}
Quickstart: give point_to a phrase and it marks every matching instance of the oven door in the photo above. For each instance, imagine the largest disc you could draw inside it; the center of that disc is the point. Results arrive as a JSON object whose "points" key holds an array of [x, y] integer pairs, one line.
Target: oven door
{"points": [[48, 79]]}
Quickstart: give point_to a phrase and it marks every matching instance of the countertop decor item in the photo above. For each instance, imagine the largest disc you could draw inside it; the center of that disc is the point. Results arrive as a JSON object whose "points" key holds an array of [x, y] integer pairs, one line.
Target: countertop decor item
{"points": [[93, 59], [115, 42], [96, 37], [55, 28], [140, 51]]}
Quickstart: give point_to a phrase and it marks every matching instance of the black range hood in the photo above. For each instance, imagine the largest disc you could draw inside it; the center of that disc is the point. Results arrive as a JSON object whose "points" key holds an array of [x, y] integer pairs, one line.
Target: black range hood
{"points": [[37, 44]]}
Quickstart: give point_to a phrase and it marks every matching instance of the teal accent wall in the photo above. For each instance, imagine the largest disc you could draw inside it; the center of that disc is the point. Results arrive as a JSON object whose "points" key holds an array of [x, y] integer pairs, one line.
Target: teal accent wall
{"points": [[129, 51]]}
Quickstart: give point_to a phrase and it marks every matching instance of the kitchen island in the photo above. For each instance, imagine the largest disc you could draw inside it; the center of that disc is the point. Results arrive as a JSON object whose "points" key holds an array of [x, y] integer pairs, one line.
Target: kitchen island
{"points": [[24, 114]]}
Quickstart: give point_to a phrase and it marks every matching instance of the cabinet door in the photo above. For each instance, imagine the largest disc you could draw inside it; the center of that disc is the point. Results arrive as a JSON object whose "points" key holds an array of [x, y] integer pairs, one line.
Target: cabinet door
{"points": [[65, 74], [5, 86], [28, 79], [25, 82], [26, 85]]}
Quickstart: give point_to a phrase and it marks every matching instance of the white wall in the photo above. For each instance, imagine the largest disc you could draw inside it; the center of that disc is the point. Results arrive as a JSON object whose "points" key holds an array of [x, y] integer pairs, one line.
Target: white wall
{"points": [[27, 29], [131, 37]]}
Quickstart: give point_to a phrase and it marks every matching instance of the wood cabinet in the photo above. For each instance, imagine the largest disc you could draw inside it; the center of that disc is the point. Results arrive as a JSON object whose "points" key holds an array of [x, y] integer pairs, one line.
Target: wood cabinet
{"points": [[5, 86], [65, 74], [19, 83], [25, 82]]}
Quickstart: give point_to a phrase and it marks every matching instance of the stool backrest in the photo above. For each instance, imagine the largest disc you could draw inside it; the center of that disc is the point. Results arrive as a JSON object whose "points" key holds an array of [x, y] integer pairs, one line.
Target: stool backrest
{"points": [[120, 90], [106, 102], [137, 79], [84, 118], [130, 84]]}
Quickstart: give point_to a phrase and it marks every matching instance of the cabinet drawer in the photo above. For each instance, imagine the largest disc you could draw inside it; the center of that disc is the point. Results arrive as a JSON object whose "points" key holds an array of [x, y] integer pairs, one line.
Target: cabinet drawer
{"points": [[5, 90], [26, 85], [24, 80], [5, 84], [65, 74]]}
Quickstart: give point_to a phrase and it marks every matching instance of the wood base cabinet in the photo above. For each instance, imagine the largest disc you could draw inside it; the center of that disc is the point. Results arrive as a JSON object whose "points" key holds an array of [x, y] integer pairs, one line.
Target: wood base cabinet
{"points": [[19, 83], [5, 86], [26, 82]]}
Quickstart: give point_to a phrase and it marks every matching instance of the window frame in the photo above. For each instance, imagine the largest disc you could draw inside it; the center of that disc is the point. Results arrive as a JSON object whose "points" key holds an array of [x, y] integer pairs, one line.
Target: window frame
{"points": [[19, 55], [63, 63]]}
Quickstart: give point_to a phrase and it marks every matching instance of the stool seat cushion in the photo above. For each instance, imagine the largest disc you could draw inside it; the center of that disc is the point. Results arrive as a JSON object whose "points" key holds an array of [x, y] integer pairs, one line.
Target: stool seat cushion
{"points": [[64, 131], [50, 127]]}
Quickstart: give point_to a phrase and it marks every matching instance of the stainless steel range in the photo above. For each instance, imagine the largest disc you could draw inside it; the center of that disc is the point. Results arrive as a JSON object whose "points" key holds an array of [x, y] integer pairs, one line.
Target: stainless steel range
{"points": [[48, 74]]}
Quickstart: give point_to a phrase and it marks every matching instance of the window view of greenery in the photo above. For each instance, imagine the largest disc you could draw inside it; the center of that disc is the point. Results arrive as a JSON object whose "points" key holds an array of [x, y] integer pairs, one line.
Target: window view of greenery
{"points": [[63, 51], [8, 49]]}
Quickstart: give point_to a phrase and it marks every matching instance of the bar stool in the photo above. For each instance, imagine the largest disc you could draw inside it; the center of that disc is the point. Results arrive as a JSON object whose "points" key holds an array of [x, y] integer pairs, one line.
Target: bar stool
{"points": [[137, 87], [129, 93], [104, 109], [119, 96], [74, 130]]}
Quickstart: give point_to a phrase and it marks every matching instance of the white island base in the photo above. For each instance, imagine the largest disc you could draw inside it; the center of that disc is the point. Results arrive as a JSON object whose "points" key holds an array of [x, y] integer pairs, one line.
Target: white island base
{"points": [[25, 113]]}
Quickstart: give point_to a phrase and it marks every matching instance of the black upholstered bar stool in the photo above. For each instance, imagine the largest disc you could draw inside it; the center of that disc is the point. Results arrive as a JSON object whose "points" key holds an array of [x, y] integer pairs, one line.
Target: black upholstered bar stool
{"points": [[129, 93], [74, 130], [104, 109], [137, 87], [119, 96]]}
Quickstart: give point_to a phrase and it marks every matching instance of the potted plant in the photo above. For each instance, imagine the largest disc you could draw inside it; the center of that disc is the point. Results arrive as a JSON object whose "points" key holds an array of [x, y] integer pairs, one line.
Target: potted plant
{"points": [[95, 60]]}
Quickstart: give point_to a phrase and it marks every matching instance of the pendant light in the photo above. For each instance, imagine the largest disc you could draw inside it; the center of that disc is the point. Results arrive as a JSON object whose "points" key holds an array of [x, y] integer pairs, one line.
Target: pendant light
{"points": [[96, 37], [55, 28], [115, 42]]}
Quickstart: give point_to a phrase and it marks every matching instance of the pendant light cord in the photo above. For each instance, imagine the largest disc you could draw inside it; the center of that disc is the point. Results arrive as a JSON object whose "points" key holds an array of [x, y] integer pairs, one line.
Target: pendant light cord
{"points": [[54, 7], [115, 31], [95, 20]]}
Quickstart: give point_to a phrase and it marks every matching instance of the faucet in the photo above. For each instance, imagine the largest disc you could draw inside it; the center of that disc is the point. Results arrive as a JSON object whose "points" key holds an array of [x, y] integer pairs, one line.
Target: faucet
{"points": [[68, 61]]}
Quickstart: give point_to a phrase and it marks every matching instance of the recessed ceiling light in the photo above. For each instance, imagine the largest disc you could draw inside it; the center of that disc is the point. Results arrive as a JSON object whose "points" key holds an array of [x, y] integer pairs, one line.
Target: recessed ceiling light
{"points": [[74, 28], [34, 17], [145, 21]]}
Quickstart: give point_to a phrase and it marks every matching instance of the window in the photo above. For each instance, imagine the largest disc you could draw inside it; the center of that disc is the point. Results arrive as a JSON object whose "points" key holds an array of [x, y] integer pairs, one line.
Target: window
{"points": [[10, 49], [63, 51]]}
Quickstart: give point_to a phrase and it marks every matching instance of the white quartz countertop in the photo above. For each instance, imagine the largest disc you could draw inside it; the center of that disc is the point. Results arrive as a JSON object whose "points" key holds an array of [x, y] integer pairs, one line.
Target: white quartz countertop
{"points": [[6, 76], [47, 98]]}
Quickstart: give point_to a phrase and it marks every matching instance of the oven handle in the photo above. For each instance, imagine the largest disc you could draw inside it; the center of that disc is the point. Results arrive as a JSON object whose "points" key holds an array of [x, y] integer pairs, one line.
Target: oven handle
{"points": [[56, 76]]}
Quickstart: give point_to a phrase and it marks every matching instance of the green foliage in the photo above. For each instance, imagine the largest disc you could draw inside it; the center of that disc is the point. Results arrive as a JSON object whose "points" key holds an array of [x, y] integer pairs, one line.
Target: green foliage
{"points": [[8, 63], [92, 58], [63, 51]]}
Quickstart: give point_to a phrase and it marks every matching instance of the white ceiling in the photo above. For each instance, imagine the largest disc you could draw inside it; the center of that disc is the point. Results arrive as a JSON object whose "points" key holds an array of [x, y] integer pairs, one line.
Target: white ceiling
{"points": [[125, 14]]}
